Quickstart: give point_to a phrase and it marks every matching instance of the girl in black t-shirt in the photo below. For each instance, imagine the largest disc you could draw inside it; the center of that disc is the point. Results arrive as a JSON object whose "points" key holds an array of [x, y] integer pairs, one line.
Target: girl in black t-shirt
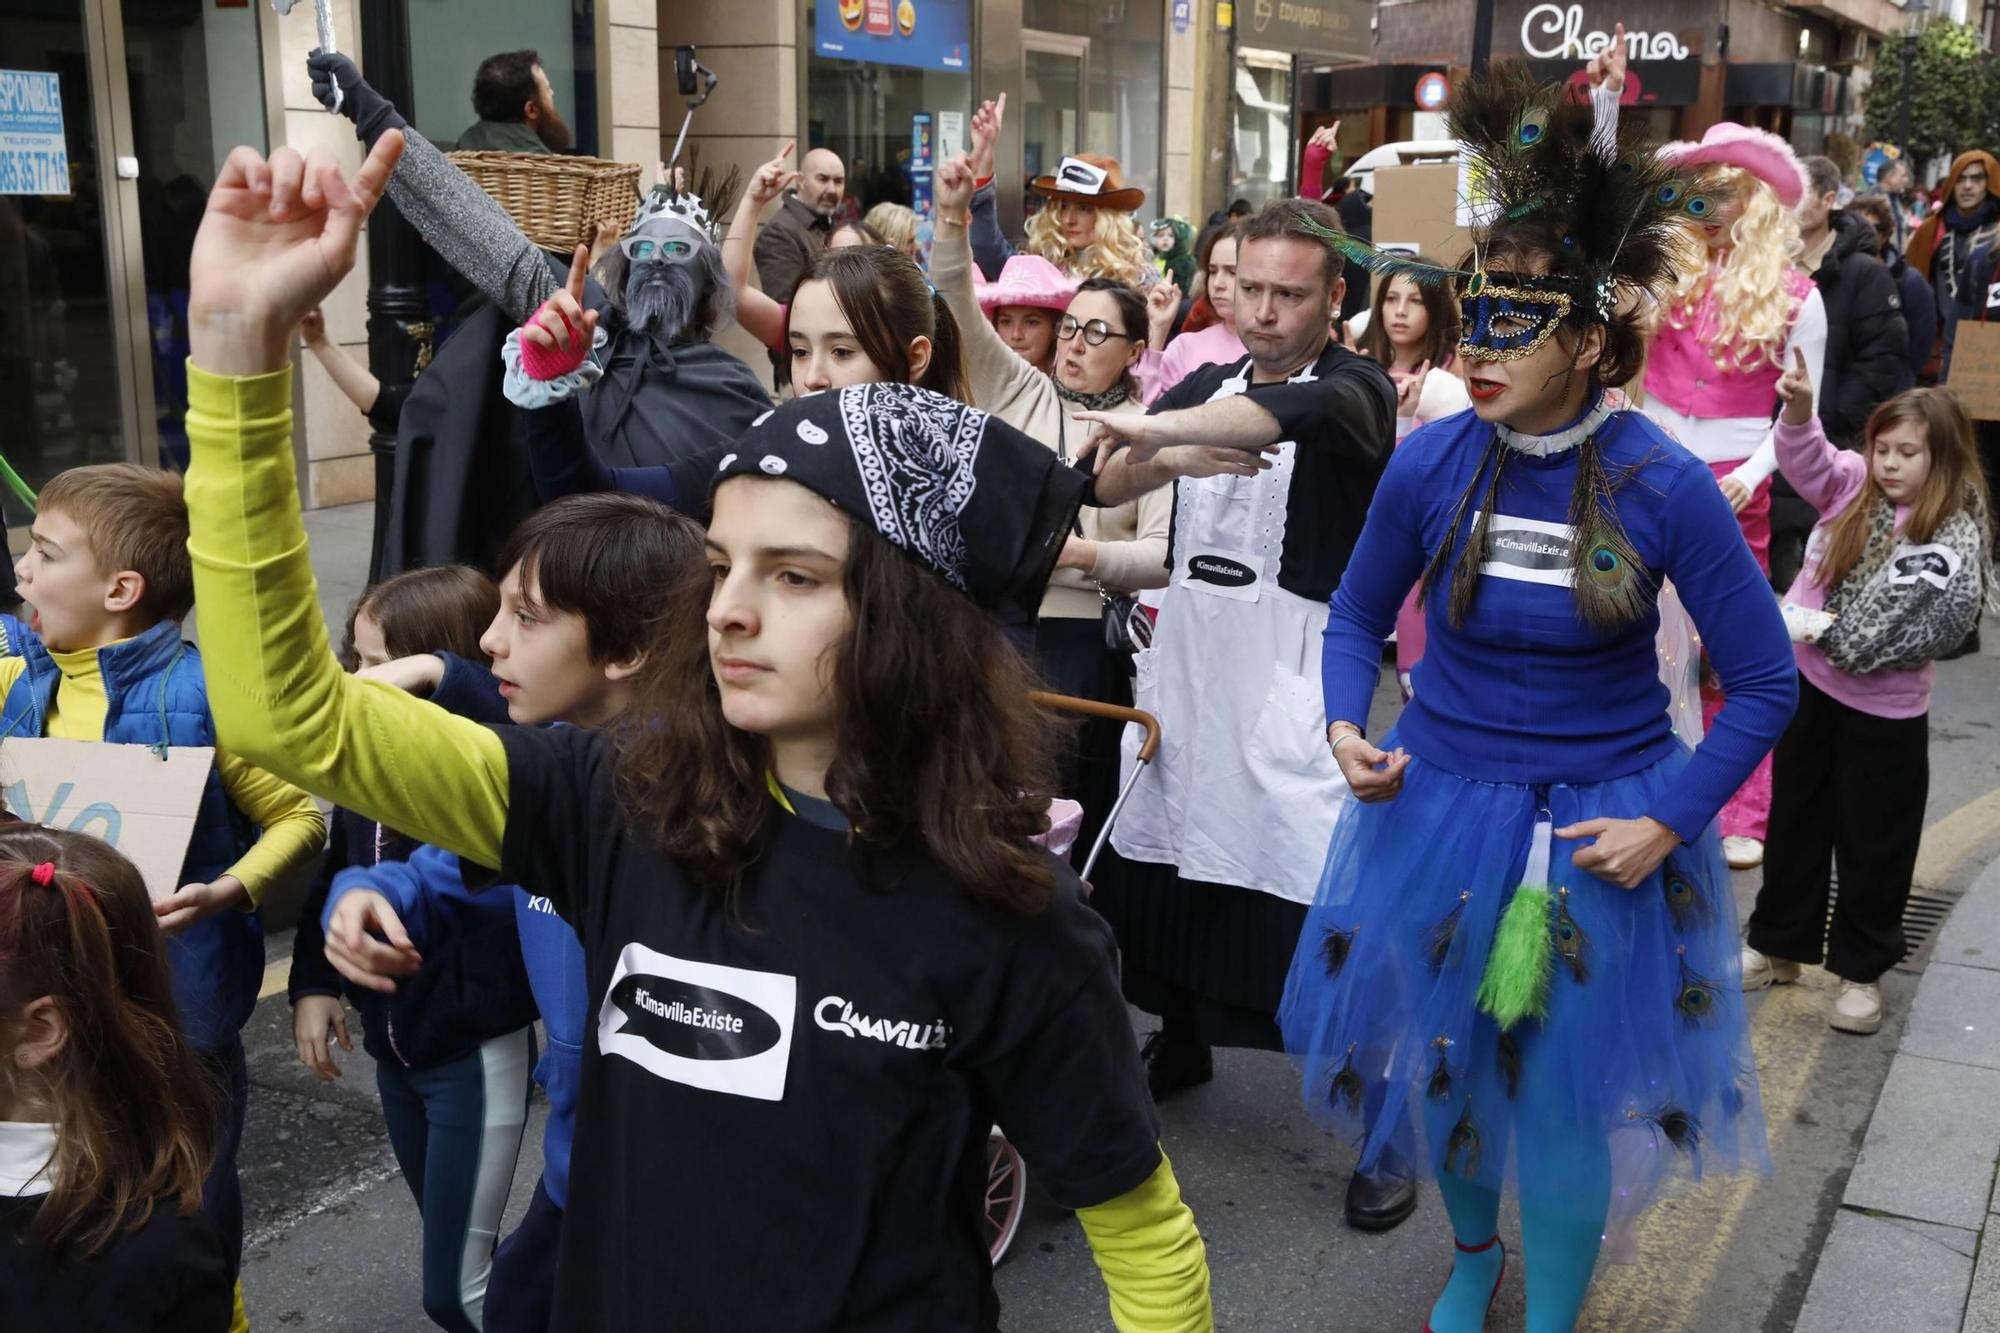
{"points": [[823, 955], [104, 1124]]}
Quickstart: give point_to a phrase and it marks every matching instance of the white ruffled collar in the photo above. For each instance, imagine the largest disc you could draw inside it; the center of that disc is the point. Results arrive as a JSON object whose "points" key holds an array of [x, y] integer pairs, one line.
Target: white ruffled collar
{"points": [[26, 1149], [1570, 436]]}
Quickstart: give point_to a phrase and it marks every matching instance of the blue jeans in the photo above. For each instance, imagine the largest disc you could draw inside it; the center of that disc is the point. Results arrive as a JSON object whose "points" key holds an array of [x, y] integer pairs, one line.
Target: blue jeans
{"points": [[521, 1296], [456, 1129]]}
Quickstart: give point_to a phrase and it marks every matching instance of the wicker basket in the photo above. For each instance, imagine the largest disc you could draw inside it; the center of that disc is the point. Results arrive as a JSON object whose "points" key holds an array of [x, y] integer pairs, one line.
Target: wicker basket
{"points": [[557, 201]]}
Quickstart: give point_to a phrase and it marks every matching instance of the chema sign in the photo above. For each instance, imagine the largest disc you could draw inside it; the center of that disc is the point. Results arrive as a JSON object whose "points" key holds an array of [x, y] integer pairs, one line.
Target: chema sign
{"points": [[1555, 32]]}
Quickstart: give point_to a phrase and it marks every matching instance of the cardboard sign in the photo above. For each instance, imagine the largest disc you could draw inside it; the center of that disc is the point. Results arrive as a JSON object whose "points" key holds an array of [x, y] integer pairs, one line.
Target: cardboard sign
{"points": [[1419, 204], [1975, 369], [127, 795]]}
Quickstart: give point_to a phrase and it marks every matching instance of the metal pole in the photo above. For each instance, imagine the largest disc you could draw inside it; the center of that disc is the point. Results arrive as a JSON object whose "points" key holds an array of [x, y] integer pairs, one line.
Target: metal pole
{"points": [[1482, 36], [399, 327]]}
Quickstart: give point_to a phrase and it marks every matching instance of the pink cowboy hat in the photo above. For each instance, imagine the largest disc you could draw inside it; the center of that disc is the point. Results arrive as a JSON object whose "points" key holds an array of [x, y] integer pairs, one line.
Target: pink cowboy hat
{"points": [[1759, 152], [1026, 280]]}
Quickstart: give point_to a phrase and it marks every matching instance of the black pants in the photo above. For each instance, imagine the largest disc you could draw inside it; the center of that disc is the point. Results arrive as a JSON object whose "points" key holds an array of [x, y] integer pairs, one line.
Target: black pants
{"points": [[521, 1290], [1847, 790]]}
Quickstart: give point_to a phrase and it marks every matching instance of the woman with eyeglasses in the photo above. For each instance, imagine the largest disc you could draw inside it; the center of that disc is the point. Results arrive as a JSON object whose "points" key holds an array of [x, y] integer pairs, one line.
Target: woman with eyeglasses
{"points": [[1116, 551]]}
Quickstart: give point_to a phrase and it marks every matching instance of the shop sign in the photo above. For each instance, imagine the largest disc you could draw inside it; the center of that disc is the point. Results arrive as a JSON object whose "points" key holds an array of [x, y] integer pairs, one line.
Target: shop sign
{"points": [[1555, 32], [1308, 25], [927, 34], [34, 159], [1183, 15]]}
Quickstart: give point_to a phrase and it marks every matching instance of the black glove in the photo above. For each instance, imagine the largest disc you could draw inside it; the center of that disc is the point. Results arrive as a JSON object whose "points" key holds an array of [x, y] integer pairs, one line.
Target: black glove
{"points": [[373, 115]]}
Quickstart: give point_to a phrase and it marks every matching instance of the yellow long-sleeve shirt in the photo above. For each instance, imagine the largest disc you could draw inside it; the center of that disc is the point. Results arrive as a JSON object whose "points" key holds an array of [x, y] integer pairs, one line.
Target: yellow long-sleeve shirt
{"points": [[293, 828], [281, 700]]}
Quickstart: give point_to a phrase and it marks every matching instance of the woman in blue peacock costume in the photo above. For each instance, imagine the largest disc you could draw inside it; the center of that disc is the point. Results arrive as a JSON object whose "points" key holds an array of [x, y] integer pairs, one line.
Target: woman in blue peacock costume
{"points": [[1521, 964]]}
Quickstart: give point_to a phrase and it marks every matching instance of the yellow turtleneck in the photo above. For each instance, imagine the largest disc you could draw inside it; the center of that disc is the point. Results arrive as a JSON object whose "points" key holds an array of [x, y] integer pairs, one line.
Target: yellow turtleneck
{"points": [[293, 828]]}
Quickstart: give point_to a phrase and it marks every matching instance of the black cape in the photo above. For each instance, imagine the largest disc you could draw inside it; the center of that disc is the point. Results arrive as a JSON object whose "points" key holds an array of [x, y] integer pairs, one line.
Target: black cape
{"points": [[462, 480]]}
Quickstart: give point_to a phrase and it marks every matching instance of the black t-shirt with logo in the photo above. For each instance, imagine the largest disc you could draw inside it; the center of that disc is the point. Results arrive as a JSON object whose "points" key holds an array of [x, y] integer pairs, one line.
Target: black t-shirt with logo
{"points": [[1343, 420], [786, 1097]]}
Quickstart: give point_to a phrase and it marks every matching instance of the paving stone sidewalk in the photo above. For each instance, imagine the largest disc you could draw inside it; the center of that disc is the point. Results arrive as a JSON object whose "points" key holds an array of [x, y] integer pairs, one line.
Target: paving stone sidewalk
{"points": [[1916, 1244]]}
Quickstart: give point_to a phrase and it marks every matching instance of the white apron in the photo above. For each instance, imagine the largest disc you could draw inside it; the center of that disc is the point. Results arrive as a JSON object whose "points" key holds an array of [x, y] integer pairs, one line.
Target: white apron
{"points": [[1244, 790]]}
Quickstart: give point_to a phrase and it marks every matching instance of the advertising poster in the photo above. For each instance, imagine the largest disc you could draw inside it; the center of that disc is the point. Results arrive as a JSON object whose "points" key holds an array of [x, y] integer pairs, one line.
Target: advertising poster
{"points": [[33, 157], [929, 34]]}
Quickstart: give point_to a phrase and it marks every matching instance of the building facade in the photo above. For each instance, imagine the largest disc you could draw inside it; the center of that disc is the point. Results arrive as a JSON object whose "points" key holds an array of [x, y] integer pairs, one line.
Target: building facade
{"points": [[1797, 69]]}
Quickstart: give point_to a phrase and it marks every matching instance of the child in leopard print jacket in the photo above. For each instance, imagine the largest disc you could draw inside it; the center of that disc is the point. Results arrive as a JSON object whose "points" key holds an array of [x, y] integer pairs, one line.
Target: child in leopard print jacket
{"points": [[1896, 574]]}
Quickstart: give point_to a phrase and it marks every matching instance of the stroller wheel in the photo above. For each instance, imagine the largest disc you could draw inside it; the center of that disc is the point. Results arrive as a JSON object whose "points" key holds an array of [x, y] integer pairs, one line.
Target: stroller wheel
{"points": [[1006, 1193]]}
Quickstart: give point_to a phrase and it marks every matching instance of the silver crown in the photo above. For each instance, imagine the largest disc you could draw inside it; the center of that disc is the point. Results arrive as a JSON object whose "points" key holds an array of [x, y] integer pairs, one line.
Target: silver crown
{"points": [[686, 208]]}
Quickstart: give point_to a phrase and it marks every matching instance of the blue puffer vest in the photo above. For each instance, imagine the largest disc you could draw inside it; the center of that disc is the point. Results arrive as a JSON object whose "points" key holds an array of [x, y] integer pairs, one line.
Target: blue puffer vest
{"points": [[156, 693]]}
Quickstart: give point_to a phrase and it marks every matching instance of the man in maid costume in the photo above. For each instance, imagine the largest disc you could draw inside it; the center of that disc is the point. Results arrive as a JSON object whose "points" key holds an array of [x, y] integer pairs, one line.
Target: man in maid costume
{"points": [[1220, 847], [660, 390], [1520, 965]]}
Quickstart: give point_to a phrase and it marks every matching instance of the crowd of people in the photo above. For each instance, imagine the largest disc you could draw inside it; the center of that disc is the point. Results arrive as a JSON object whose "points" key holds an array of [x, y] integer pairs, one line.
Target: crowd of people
{"points": [[696, 724]]}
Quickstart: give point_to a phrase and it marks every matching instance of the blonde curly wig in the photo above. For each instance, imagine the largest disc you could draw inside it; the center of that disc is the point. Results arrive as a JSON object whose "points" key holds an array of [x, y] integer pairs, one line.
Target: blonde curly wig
{"points": [[1119, 251], [1754, 305]]}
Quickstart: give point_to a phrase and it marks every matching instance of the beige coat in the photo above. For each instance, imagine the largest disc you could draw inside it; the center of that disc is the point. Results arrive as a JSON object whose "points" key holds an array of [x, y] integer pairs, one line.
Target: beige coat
{"points": [[1131, 538]]}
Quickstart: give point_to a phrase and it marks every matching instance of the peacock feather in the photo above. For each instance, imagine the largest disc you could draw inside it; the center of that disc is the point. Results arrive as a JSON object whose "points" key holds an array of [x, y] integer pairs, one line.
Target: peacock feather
{"points": [[1611, 583], [1685, 903], [1507, 1057], [1439, 1088], [1334, 948], [1462, 1144], [1698, 998], [1438, 938], [1346, 1084], [1384, 263], [1571, 942], [1673, 1125]]}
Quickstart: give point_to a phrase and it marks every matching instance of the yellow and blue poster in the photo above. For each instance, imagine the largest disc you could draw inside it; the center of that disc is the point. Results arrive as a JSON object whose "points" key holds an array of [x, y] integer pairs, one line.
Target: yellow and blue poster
{"points": [[929, 34]]}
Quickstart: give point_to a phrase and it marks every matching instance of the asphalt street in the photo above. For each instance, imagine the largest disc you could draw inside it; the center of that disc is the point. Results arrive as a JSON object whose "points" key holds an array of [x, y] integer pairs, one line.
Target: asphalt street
{"points": [[333, 1233]]}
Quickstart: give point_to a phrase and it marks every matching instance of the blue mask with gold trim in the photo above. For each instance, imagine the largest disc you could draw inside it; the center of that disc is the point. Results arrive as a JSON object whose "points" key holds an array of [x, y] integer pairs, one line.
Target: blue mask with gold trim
{"points": [[1506, 317]]}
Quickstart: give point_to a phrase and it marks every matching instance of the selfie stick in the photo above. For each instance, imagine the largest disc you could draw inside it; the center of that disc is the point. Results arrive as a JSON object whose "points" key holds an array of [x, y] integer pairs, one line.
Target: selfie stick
{"points": [[686, 69], [323, 11]]}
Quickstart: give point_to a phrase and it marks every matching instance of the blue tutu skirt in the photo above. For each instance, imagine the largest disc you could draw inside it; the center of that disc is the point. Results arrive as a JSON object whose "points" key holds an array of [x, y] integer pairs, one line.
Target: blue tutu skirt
{"points": [[1640, 1075]]}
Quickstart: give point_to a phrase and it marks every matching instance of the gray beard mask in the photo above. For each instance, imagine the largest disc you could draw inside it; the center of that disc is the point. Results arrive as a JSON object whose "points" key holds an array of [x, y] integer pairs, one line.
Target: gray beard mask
{"points": [[662, 298]]}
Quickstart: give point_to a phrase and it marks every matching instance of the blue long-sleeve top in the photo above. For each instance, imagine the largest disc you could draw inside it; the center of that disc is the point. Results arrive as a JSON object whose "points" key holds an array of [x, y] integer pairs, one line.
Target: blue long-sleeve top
{"points": [[438, 908], [1525, 691], [990, 249]]}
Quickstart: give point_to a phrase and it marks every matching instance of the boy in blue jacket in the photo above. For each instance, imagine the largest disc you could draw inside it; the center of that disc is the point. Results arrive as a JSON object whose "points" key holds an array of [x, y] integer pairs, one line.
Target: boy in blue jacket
{"points": [[585, 578], [101, 658]]}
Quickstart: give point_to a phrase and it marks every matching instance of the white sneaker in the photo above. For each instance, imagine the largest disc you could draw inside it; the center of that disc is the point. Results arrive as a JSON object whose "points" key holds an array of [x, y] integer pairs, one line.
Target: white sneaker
{"points": [[1859, 1008], [1761, 971], [1742, 853]]}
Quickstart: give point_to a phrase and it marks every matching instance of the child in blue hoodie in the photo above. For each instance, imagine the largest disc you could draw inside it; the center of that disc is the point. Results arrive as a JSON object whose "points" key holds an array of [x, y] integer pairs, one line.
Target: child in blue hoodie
{"points": [[585, 577], [454, 1045], [101, 658]]}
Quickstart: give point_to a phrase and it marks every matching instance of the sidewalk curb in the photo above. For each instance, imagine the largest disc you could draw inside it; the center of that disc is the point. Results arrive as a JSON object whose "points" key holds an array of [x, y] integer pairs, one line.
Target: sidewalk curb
{"points": [[1908, 1249]]}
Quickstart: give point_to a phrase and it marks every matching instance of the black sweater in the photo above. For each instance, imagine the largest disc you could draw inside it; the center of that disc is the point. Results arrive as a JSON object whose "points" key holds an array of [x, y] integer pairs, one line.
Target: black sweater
{"points": [[169, 1276]]}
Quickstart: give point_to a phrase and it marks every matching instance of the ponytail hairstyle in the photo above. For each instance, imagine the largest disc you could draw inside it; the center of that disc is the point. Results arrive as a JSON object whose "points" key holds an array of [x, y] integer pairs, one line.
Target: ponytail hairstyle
{"points": [[131, 1108], [1956, 480], [889, 304], [440, 609]]}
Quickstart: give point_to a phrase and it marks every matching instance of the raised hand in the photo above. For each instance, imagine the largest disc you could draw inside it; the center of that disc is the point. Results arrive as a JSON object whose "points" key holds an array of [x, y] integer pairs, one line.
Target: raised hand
{"points": [[1163, 304], [774, 177], [312, 329], [951, 188], [1795, 391], [334, 79], [1327, 137], [1409, 388], [277, 237], [986, 124], [562, 327], [1607, 68]]}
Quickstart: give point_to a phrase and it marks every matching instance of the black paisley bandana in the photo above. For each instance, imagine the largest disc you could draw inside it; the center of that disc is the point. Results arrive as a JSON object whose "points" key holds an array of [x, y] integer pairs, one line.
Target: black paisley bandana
{"points": [[982, 504]]}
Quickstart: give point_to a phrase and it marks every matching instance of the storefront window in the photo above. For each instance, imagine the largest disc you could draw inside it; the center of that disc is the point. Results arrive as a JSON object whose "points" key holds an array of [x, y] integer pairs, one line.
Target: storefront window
{"points": [[58, 349], [191, 105], [1261, 126], [867, 113], [448, 39], [1121, 53]]}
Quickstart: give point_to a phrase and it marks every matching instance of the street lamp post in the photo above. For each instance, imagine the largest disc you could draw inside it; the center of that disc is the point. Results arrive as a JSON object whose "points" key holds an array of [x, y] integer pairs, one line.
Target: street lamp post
{"points": [[399, 330]]}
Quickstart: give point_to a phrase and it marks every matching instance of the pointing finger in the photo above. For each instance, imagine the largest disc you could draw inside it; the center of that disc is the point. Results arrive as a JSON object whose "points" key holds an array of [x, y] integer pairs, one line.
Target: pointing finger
{"points": [[579, 266]]}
